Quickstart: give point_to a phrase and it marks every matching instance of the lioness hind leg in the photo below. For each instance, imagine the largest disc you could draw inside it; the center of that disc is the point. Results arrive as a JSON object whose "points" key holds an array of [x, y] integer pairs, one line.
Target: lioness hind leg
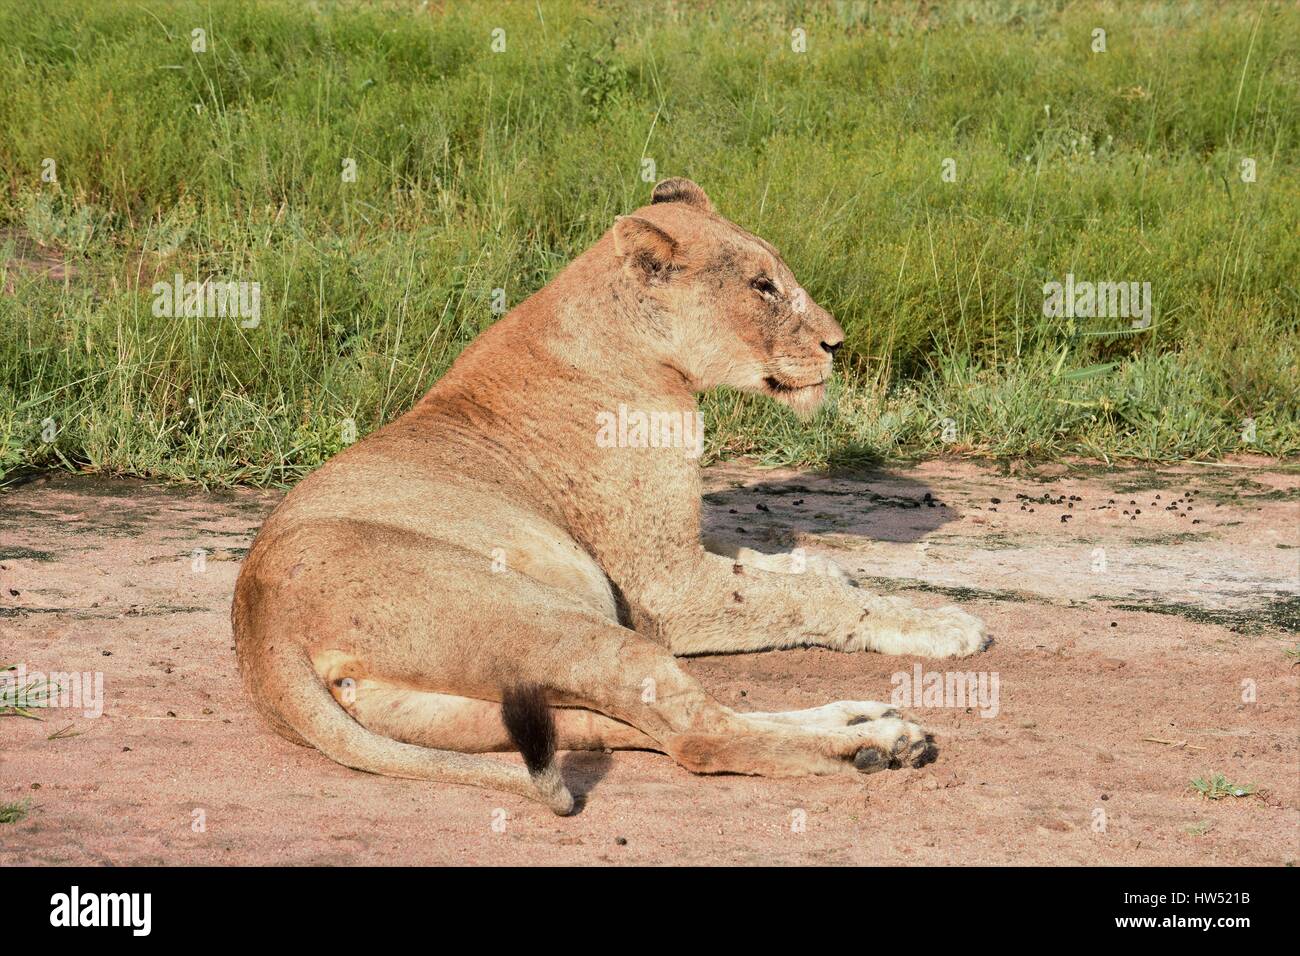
{"points": [[469, 725], [588, 662]]}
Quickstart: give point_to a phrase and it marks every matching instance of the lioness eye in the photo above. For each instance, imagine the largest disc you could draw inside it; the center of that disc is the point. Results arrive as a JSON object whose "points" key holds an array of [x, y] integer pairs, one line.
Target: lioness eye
{"points": [[763, 285]]}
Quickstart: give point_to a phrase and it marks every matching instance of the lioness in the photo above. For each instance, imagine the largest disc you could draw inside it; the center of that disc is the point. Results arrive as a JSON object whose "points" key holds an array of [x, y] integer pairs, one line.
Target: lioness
{"points": [[486, 548]]}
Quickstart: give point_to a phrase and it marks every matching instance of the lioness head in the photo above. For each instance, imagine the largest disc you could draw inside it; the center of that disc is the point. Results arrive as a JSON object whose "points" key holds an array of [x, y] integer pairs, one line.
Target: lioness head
{"points": [[727, 308]]}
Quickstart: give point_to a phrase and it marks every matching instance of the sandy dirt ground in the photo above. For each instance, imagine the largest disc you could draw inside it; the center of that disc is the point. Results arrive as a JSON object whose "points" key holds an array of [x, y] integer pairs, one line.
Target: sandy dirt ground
{"points": [[1141, 643]]}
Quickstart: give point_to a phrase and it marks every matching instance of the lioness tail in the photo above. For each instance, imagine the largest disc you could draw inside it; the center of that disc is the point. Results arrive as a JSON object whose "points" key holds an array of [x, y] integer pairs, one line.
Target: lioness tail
{"points": [[287, 686], [531, 727]]}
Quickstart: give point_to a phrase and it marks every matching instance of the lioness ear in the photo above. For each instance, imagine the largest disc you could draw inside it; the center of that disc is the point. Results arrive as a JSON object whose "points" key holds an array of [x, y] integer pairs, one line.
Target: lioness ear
{"points": [[644, 248], [683, 191]]}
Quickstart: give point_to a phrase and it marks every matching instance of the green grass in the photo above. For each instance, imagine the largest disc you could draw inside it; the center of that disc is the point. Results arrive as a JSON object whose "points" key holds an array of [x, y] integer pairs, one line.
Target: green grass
{"points": [[14, 812], [478, 170]]}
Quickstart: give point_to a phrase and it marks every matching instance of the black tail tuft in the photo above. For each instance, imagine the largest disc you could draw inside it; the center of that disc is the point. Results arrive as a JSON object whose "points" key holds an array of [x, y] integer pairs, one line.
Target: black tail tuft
{"points": [[530, 724]]}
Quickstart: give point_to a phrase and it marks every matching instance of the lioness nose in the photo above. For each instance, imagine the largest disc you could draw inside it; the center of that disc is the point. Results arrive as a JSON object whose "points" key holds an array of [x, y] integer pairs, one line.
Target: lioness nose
{"points": [[832, 346]]}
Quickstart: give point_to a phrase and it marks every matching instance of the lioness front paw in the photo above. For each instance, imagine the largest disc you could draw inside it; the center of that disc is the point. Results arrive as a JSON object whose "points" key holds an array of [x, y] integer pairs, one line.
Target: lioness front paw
{"points": [[893, 626]]}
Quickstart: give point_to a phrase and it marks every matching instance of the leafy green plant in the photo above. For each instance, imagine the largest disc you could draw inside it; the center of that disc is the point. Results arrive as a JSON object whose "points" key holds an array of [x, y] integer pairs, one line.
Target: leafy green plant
{"points": [[1217, 786]]}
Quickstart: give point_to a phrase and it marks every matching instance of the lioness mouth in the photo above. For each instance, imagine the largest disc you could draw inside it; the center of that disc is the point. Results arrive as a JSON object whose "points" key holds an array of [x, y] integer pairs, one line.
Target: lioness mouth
{"points": [[776, 386]]}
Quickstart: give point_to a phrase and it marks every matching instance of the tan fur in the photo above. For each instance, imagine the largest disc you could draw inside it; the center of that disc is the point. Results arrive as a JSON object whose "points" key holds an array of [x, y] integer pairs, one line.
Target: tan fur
{"points": [[487, 538]]}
